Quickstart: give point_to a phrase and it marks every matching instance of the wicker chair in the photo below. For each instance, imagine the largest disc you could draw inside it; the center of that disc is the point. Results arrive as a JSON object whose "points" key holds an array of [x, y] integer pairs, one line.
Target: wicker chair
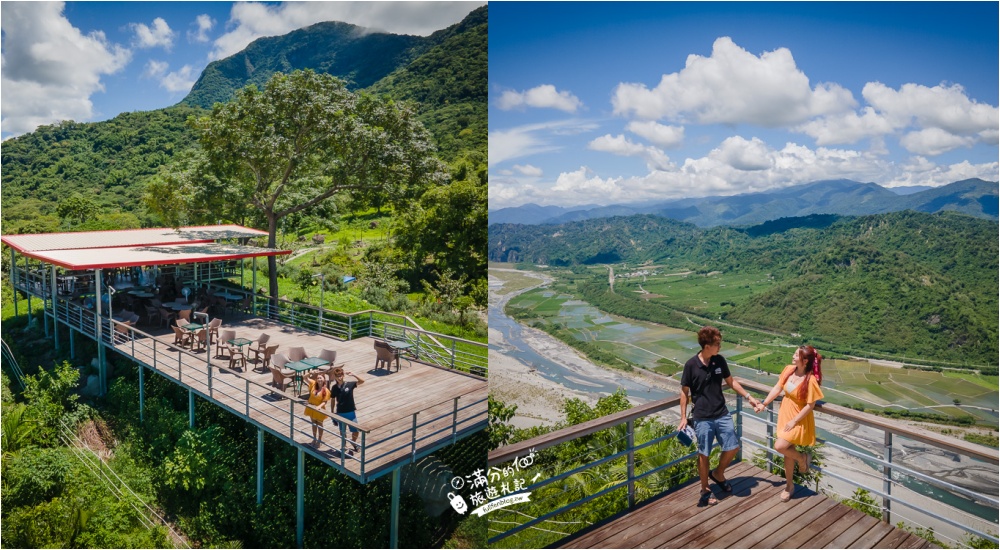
{"points": [[223, 342], [268, 353], [180, 335], [296, 354], [278, 374]]}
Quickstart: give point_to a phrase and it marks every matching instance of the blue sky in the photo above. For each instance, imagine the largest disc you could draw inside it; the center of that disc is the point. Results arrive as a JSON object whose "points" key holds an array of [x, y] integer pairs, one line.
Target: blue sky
{"points": [[604, 103], [89, 61]]}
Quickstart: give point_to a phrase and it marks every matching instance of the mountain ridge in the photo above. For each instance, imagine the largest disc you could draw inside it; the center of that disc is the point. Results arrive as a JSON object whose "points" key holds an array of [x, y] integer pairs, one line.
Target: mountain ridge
{"points": [[974, 197]]}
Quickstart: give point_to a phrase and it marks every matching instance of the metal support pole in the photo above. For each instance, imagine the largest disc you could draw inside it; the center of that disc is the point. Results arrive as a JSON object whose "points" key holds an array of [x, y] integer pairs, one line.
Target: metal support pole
{"points": [[191, 409], [739, 427], [72, 345], [142, 395], [887, 478], [55, 318], [300, 492], [631, 464], [394, 512], [99, 321], [253, 307], [45, 300], [770, 433], [13, 278], [260, 466]]}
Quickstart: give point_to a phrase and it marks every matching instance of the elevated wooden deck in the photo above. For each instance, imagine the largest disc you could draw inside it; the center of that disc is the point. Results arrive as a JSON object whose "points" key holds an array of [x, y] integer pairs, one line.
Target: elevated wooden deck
{"points": [[406, 413], [751, 517]]}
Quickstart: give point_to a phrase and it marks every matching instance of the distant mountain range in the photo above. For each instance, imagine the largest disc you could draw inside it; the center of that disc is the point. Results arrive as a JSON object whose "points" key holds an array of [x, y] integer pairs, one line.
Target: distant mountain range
{"points": [[974, 197]]}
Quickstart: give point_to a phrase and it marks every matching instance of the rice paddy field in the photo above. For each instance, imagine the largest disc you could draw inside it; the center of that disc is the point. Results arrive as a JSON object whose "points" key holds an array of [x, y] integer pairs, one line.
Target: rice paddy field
{"points": [[846, 382]]}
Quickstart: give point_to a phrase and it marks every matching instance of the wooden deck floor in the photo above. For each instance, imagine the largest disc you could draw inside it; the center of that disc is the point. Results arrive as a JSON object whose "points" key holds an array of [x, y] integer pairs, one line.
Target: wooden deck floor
{"points": [[447, 404], [751, 517]]}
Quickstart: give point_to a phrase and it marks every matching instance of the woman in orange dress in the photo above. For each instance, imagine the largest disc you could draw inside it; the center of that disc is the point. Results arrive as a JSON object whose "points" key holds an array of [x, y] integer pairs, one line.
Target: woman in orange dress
{"points": [[796, 426], [319, 394]]}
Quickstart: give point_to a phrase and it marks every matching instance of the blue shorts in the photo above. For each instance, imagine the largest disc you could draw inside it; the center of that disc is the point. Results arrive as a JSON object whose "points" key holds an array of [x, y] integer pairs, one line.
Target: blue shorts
{"points": [[352, 416], [720, 428]]}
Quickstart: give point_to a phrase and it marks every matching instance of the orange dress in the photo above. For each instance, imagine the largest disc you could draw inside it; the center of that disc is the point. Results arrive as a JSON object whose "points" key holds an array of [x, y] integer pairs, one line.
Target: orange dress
{"points": [[319, 401], [804, 433]]}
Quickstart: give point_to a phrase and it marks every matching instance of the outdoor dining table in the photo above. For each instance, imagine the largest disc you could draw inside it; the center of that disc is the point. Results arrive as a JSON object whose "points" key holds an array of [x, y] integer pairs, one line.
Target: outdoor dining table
{"points": [[240, 342], [404, 347], [305, 365], [177, 306], [229, 296]]}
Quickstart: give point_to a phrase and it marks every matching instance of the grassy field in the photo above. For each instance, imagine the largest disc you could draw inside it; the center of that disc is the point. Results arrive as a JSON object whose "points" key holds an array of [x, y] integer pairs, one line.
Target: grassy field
{"points": [[702, 294], [662, 349], [512, 282]]}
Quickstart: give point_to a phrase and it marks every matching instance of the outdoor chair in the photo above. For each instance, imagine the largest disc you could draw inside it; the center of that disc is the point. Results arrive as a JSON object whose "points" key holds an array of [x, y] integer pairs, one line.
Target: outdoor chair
{"points": [[185, 315], [236, 354], [152, 312], [123, 332], [213, 327], [166, 316], [385, 355], [296, 354], [261, 343], [133, 319], [201, 315], [268, 353], [202, 337], [223, 342], [278, 374], [180, 335]]}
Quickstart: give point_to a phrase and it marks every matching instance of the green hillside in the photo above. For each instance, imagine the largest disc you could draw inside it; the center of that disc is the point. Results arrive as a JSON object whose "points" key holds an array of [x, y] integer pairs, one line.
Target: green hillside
{"points": [[108, 163], [900, 283]]}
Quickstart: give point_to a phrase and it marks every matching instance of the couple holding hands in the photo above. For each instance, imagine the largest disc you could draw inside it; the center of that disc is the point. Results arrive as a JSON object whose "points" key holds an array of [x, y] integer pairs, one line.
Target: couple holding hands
{"points": [[701, 382]]}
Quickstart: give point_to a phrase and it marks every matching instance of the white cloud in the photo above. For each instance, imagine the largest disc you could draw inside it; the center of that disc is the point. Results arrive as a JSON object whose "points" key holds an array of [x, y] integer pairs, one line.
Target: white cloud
{"points": [[944, 107], [742, 154], [620, 145], [544, 96], [528, 170], [50, 68], [733, 86], [530, 139], [155, 69], [847, 127], [252, 20], [159, 34], [934, 141], [920, 171], [179, 81], [204, 24], [660, 134]]}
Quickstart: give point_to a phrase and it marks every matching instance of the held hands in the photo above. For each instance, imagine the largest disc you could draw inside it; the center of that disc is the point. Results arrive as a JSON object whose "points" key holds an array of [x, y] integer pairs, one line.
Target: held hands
{"points": [[759, 407]]}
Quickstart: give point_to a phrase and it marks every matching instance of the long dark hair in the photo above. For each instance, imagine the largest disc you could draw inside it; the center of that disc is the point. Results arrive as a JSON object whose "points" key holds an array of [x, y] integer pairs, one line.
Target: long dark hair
{"points": [[813, 360]]}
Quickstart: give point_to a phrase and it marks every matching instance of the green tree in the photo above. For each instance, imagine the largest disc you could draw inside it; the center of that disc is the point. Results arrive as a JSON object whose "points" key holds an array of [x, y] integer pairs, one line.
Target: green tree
{"points": [[501, 431], [305, 138], [77, 207]]}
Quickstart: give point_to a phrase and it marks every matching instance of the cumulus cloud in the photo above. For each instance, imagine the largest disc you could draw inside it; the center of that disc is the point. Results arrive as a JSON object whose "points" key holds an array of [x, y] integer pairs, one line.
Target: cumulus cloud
{"points": [[660, 134], [934, 141], [203, 24], [944, 107], [179, 81], [531, 139], [542, 97], [155, 69], [252, 20], [921, 171], [159, 34], [733, 86], [847, 127], [50, 68], [742, 154], [620, 145], [528, 170]]}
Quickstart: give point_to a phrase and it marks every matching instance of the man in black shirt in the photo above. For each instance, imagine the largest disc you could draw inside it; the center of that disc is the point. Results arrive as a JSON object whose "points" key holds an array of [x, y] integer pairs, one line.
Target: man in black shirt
{"points": [[343, 393], [702, 381]]}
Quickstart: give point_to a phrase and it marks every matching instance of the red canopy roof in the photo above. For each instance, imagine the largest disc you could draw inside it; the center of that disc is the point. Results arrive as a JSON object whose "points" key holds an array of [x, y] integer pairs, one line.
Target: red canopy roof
{"points": [[139, 247]]}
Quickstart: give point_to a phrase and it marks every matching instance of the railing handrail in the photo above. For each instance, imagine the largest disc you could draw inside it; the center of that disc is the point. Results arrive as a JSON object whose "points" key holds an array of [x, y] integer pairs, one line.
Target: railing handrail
{"points": [[971, 450], [510, 452]]}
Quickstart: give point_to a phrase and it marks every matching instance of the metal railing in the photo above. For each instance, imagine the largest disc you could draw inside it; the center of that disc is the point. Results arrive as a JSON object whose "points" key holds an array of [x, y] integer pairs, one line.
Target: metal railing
{"points": [[8, 359], [886, 467], [280, 414], [621, 488], [426, 346]]}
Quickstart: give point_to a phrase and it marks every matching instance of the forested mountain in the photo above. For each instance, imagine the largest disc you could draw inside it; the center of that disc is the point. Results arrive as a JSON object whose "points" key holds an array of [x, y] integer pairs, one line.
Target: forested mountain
{"points": [[900, 282], [842, 197], [107, 163]]}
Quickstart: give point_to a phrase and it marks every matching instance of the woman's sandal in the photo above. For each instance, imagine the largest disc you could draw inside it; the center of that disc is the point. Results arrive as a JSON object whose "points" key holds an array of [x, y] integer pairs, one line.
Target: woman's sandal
{"points": [[724, 485], [708, 499], [786, 496]]}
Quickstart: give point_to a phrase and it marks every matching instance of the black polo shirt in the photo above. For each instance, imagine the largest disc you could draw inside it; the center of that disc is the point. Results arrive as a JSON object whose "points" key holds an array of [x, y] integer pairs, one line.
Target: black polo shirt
{"points": [[705, 383], [344, 396]]}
